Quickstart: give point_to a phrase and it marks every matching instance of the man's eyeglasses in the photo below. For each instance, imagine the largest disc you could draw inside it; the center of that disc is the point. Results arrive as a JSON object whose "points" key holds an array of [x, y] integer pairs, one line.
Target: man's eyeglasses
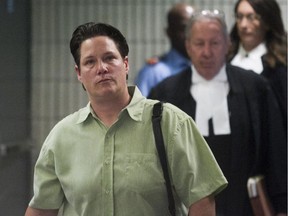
{"points": [[215, 13], [250, 17], [207, 14]]}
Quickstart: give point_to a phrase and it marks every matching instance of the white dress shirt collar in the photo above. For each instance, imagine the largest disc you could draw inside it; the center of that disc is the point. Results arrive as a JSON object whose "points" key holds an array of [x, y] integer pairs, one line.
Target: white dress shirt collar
{"points": [[221, 76], [250, 60]]}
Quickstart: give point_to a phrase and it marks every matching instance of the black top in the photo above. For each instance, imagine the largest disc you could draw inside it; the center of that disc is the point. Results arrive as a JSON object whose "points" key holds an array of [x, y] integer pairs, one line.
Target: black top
{"points": [[277, 77]]}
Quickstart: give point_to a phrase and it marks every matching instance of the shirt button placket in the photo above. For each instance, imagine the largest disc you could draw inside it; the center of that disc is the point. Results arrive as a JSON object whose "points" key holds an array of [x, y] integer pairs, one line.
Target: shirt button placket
{"points": [[108, 174]]}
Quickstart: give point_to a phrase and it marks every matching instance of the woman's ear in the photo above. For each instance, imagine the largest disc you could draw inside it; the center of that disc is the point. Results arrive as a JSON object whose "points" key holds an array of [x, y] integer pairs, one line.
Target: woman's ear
{"points": [[126, 62], [78, 72]]}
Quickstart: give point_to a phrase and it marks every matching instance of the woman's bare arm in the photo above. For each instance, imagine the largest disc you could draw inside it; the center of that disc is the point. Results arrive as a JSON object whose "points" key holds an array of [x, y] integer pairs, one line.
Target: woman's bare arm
{"points": [[204, 207], [41, 212]]}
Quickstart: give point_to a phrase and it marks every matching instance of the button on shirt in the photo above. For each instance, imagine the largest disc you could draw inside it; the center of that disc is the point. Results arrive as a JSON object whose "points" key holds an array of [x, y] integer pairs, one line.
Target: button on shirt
{"points": [[92, 170], [151, 74], [250, 60]]}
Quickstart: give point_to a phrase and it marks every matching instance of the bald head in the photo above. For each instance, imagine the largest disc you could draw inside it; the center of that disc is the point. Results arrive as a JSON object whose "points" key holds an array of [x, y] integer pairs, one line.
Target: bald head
{"points": [[177, 20], [178, 13]]}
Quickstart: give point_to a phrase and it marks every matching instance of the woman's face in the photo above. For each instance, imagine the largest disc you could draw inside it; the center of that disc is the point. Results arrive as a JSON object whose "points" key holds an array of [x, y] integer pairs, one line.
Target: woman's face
{"points": [[102, 69], [250, 27]]}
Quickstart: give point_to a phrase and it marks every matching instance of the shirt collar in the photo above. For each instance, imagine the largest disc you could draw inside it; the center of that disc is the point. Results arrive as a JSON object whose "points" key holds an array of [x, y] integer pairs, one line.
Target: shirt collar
{"points": [[256, 53], [135, 107], [221, 76]]}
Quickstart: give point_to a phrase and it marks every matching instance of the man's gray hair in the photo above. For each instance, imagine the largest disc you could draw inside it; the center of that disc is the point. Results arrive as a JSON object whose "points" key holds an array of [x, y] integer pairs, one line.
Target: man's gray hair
{"points": [[206, 15]]}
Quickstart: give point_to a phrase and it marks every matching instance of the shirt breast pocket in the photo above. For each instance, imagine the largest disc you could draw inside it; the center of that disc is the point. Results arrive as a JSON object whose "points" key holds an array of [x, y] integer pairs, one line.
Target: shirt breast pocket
{"points": [[143, 173]]}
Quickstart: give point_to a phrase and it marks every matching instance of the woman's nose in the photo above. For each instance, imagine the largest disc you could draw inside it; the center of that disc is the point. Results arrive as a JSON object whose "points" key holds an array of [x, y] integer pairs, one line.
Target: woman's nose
{"points": [[101, 67], [243, 22]]}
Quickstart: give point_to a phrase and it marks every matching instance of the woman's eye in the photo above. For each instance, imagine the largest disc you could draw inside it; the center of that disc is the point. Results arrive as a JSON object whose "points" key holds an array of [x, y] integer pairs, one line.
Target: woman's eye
{"points": [[89, 62], [109, 58]]}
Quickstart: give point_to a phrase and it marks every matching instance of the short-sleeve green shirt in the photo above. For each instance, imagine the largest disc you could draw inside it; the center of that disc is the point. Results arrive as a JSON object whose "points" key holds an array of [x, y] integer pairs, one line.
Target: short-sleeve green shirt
{"points": [[89, 169]]}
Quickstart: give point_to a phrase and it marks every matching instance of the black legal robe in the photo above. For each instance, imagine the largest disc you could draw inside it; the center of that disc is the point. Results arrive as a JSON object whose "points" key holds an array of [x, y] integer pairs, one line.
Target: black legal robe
{"points": [[257, 142]]}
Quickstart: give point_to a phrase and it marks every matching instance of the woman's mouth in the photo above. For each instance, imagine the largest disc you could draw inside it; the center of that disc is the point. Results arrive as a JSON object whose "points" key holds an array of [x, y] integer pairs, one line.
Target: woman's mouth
{"points": [[105, 80]]}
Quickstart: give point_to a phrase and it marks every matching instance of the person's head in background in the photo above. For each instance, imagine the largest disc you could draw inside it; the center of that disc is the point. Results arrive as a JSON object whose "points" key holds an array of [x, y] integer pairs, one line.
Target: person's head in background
{"points": [[177, 19], [207, 42], [259, 21]]}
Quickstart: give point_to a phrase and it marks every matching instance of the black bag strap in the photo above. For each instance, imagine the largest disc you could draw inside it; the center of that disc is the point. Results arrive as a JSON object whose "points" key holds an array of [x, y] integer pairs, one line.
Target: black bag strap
{"points": [[156, 120]]}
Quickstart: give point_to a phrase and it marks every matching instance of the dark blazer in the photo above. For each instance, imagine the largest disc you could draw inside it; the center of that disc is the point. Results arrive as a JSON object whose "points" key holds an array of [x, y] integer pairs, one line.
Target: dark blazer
{"points": [[258, 143], [277, 77]]}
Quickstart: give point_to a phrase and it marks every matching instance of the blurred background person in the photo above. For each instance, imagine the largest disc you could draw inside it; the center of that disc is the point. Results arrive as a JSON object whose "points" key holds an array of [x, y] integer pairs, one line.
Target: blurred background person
{"points": [[236, 112], [176, 59], [259, 43]]}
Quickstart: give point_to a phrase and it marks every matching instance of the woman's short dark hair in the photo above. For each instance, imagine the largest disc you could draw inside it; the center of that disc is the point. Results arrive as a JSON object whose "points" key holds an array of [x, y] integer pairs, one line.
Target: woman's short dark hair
{"points": [[90, 30]]}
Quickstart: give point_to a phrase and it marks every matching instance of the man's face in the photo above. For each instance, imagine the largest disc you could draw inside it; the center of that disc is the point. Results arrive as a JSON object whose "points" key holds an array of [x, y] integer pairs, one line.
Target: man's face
{"points": [[102, 70], [207, 47], [250, 28]]}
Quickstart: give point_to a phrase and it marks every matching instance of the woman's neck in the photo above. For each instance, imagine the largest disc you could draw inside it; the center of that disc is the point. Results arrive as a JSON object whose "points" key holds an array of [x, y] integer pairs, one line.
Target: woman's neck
{"points": [[108, 110]]}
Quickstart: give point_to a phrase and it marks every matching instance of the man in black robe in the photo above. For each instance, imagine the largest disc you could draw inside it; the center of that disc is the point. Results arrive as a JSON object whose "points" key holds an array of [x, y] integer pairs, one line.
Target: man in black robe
{"points": [[236, 112]]}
